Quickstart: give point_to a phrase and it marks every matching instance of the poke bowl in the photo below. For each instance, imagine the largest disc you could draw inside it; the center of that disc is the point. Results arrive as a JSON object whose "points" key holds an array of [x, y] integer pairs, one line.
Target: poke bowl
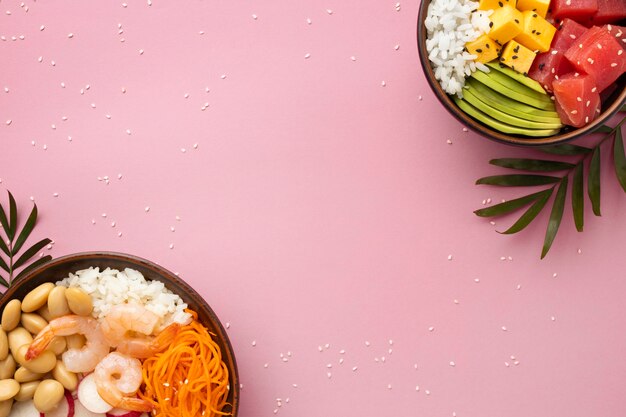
{"points": [[549, 69], [173, 363]]}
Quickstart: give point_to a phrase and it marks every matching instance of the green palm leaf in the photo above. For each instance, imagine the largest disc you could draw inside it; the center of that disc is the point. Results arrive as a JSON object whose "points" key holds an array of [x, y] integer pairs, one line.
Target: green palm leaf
{"points": [[566, 150], [555, 217], [28, 227], [517, 180], [30, 252], [508, 206], [619, 159], [34, 265], [578, 202], [536, 165], [593, 182], [530, 214], [12, 217]]}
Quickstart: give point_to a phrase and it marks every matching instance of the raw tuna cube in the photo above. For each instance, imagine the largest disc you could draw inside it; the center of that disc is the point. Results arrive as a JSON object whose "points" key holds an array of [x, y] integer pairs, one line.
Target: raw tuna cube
{"points": [[549, 65], [568, 32], [609, 11], [577, 99], [598, 54], [579, 10], [619, 32]]}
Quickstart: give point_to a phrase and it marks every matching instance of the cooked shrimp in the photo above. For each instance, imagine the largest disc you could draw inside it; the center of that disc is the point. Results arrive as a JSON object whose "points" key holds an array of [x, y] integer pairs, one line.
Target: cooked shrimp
{"points": [[75, 360], [129, 328], [118, 378]]}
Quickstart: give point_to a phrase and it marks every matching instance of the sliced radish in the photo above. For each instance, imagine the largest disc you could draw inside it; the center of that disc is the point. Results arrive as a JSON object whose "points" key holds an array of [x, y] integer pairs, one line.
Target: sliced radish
{"points": [[118, 412], [81, 411], [24, 409], [89, 397], [64, 409]]}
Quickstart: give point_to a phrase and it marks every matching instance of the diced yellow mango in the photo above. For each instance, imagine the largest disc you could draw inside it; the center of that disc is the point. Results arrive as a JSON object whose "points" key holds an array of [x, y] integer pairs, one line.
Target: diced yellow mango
{"points": [[485, 48], [517, 57], [538, 6], [494, 4], [506, 24], [537, 32]]}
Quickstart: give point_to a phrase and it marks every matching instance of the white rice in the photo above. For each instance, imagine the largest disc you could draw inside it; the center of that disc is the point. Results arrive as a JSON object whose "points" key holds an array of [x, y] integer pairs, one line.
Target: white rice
{"points": [[112, 287], [450, 24]]}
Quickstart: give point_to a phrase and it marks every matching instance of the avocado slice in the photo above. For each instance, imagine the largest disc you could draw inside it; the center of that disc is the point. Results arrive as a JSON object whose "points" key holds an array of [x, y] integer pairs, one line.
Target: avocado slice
{"points": [[509, 82], [500, 126], [521, 78], [475, 101], [512, 88], [509, 106]]}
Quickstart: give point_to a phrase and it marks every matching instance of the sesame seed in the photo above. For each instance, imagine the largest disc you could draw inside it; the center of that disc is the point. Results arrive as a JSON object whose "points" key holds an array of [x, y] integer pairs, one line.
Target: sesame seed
{"points": [[452, 364], [70, 35], [307, 56], [594, 89], [613, 64], [588, 103], [329, 11], [579, 99], [586, 119], [574, 111], [354, 368]]}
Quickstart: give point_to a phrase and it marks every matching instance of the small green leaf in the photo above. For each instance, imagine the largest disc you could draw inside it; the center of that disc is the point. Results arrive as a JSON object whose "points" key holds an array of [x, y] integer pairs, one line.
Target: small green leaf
{"points": [[578, 201], [12, 217], [4, 247], [555, 217], [3, 221], [593, 181], [517, 180], [566, 150], [30, 252], [535, 165], [4, 282], [4, 265], [28, 227], [32, 266], [603, 129], [507, 206], [530, 214], [619, 159]]}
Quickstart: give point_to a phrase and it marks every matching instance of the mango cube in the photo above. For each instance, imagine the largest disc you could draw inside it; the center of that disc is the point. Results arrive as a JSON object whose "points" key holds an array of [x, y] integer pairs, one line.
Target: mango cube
{"points": [[506, 24], [538, 6], [537, 32], [494, 4], [485, 48], [517, 57]]}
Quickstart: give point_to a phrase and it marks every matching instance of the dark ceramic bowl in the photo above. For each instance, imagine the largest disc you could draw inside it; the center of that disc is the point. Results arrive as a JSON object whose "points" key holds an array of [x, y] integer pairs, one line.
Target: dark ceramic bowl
{"points": [[59, 268], [610, 104]]}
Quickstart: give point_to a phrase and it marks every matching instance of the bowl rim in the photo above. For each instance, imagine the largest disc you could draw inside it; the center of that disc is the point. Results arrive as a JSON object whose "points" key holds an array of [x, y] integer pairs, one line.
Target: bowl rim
{"points": [[488, 132], [157, 269]]}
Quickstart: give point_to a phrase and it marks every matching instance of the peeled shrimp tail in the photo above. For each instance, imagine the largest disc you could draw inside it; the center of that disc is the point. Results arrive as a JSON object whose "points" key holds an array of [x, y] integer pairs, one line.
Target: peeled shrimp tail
{"points": [[144, 347], [127, 403], [165, 338], [40, 343]]}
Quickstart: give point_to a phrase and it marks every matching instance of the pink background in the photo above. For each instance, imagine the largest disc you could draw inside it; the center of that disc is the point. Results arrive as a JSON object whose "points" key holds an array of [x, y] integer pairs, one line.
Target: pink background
{"points": [[320, 207]]}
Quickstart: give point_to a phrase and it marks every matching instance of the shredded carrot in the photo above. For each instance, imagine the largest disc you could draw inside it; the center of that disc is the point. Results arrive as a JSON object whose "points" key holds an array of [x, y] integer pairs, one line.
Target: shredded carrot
{"points": [[189, 378]]}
